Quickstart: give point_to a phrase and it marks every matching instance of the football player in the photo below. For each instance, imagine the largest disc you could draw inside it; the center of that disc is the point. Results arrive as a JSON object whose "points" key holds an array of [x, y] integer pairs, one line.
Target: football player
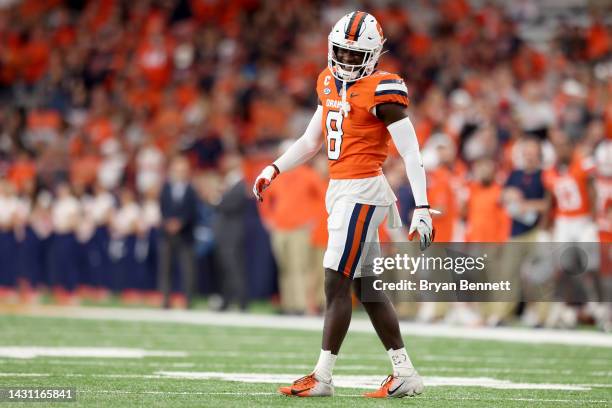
{"points": [[602, 312], [603, 186], [360, 109], [570, 182], [571, 185]]}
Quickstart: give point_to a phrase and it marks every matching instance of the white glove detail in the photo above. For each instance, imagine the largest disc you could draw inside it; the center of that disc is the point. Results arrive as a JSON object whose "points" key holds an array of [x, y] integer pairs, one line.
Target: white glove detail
{"points": [[423, 225], [263, 181]]}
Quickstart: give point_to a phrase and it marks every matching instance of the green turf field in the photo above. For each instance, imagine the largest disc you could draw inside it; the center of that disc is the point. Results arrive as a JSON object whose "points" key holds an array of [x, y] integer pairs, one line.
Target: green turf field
{"points": [[117, 382]]}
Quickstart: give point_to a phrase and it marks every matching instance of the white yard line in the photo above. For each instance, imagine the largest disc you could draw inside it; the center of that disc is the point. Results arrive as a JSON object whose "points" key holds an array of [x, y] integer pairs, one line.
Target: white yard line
{"points": [[14, 354], [520, 335], [368, 381], [24, 375], [107, 363], [96, 352], [301, 367], [29, 352]]}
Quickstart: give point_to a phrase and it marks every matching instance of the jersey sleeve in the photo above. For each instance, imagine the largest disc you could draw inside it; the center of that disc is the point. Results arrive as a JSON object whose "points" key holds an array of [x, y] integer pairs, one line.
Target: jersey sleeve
{"points": [[390, 89]]}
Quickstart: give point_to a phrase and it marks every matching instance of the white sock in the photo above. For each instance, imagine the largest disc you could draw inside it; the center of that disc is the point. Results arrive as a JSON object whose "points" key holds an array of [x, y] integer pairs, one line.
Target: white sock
{"points": [[325, 366], [402, 366]]}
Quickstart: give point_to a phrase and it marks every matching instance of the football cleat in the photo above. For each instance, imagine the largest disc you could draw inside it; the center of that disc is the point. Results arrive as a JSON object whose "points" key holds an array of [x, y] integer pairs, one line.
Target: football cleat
{"points": [[308, 386], [398, 387]]}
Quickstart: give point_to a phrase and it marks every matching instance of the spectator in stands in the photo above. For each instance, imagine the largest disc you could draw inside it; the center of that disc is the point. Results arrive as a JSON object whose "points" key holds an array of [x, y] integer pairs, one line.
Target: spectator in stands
{"points": [[129, 272], [146, 248], [65, 259], [9, 204], [149, 167], [34, 247], [100, 210], [112, 167], [21, 215], [534, 110]]}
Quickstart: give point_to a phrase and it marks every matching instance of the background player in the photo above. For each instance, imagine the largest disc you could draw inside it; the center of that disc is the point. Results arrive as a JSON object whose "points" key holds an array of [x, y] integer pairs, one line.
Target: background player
{"points": [[571, 183], [360, 108]]}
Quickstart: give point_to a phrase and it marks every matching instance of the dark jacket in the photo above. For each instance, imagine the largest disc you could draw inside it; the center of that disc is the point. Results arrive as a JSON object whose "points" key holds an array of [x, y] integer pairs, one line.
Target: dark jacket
{"points": [[185, 209], [228, 225]]}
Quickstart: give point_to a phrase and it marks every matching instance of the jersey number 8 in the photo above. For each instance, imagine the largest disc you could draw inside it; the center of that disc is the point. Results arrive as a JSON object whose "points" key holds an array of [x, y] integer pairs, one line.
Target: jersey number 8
{"points": [[333, 124]]}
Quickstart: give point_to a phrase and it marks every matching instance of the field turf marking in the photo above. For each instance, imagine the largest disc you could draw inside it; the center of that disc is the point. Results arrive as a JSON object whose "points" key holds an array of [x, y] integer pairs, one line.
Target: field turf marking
{"points": [[360, 381], [341, 381], [506, 334], [299, 367]]}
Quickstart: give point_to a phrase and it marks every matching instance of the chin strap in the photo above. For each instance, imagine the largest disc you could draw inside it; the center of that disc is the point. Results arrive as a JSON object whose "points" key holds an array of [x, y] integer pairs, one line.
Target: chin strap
{"points": [[346, 106]]}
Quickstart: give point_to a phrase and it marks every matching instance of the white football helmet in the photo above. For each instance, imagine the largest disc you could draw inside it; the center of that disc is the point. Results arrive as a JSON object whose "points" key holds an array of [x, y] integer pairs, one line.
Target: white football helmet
{"points": [[359, 32]]}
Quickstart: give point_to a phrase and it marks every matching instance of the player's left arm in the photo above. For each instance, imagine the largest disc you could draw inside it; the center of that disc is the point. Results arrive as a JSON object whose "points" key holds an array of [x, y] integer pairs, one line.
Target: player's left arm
{"points": [[402, 132]]}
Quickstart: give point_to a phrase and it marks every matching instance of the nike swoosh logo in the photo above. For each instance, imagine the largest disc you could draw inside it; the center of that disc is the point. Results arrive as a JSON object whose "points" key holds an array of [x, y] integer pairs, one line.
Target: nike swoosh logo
{"points": [[298, 392], [392, 391], [354, 94]]}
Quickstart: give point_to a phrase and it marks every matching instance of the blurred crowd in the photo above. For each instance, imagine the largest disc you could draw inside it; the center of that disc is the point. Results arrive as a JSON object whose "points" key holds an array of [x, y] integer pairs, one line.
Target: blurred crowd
{"points": [[97, 98]]}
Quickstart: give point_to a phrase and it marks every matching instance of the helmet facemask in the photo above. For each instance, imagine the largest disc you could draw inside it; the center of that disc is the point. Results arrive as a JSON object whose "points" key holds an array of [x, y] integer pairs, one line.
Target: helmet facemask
{"points": [[352, 72]]}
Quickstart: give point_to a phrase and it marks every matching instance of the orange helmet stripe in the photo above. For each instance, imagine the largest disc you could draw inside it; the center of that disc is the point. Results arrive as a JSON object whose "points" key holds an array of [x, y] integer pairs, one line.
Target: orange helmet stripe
{"points": [[354, 25]]}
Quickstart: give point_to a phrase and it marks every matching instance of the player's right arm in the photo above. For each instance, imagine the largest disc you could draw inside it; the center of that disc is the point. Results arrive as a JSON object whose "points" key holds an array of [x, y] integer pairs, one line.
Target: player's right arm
{"points": [[302, 150]]}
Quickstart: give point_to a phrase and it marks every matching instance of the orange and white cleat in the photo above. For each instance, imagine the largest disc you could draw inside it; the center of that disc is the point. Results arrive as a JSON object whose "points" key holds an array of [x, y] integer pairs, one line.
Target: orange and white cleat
{"points": [[398, 387], [308, 386]]}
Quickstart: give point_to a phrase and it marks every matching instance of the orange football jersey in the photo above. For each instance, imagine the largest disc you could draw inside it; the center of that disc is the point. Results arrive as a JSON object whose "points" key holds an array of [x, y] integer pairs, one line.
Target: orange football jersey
{"points": [[569, 187], [357, 144]]}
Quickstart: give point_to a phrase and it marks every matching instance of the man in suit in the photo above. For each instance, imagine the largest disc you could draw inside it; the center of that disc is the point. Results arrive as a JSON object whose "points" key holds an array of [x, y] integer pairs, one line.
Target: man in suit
{"points": [[230, 234], [178, 203]]}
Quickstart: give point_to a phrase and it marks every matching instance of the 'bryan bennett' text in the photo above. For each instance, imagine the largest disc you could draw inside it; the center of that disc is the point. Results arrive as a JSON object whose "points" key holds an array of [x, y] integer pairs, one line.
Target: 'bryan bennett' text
{"points": [[423, 285]]}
